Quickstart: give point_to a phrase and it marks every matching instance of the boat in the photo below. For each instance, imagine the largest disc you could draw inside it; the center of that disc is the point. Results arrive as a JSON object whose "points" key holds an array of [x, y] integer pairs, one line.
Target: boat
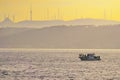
{"points": [[89, 57]]}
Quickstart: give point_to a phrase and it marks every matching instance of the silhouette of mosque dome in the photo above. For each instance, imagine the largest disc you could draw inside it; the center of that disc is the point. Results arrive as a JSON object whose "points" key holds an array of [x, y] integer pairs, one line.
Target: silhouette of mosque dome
{"points": [[7, 20]]}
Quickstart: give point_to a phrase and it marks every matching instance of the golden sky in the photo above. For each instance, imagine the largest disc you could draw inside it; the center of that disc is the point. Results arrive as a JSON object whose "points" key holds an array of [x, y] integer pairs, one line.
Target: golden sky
{"points": [[60, 9]]}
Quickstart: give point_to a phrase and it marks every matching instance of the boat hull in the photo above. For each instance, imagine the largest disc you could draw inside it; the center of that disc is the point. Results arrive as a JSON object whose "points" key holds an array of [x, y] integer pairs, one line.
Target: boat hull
{"points": [[89, 57]]}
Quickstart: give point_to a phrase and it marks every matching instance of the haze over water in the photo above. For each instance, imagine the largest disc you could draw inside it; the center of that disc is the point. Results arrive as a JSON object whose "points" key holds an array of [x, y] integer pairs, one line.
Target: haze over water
{"points": [[42, 39]]}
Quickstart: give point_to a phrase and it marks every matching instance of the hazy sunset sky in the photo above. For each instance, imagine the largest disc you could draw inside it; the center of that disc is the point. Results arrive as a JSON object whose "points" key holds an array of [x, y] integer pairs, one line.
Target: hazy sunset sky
{"points": [[60, 9]]}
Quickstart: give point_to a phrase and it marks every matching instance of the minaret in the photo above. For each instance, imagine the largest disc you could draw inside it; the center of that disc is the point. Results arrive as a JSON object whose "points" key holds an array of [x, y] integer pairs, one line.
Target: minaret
{"points": [[31, 13], [111, 14], [55, 16], [44, 14], [47, 13], [76, 13], [61, 14], [104, 14], [58, 14], [13, 18]]}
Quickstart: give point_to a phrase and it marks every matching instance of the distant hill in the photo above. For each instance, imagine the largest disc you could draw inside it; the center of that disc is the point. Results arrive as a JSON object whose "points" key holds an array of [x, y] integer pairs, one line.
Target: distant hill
{"points": [[95, 22], [80, 37], [41, 24]]}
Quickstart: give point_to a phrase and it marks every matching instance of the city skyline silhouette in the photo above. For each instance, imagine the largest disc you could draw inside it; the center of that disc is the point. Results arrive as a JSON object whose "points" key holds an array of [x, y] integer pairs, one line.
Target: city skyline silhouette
{"points": [[59, 10]]}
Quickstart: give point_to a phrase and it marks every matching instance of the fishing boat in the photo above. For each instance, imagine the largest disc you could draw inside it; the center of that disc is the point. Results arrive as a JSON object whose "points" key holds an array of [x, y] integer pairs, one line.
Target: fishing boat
{"points": [[89, 57]]}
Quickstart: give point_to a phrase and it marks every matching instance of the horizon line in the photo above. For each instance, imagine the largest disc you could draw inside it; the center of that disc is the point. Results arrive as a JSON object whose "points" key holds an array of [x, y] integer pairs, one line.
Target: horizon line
{"points": [[58, 19]]}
